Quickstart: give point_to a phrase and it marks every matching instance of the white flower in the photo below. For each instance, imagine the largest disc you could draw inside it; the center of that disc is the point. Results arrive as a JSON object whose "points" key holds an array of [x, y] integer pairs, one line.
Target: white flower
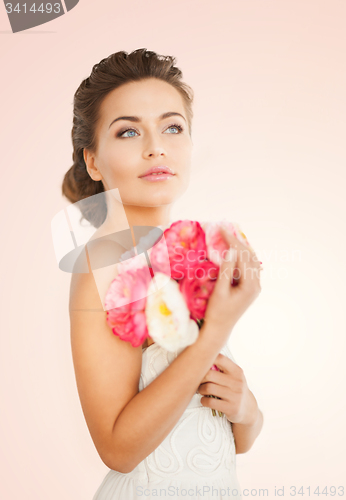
{"points": [[168, 318]]}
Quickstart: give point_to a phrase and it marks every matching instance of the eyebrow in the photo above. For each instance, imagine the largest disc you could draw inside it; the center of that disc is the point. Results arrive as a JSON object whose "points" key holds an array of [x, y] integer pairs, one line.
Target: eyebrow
{"points": [[138, 119]]}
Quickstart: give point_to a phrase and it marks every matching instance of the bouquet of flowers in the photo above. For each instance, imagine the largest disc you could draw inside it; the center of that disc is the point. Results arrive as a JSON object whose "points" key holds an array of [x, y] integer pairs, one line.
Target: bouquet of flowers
{"points": [[167, 302]]}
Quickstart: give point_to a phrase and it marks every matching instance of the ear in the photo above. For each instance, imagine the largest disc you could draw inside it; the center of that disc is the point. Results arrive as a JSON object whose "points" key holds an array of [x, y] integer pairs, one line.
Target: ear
{"points": [[93, 171]]}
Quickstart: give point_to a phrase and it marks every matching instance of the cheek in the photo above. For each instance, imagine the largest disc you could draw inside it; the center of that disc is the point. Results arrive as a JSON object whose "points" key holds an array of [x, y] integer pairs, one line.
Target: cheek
{"points": [[186, 152], [186, 163], [115, 156], [183, 152], [117, 165], [184, 178]]}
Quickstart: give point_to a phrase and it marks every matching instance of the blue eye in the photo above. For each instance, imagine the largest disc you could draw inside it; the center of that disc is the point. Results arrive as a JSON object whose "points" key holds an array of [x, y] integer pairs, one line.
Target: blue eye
{"points": [[127, 130], [178, 127], [174, 125]]}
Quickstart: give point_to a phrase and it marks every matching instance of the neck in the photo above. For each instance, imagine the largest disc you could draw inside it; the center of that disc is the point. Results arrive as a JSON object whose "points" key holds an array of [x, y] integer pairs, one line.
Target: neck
{"points": [[120, 216]]}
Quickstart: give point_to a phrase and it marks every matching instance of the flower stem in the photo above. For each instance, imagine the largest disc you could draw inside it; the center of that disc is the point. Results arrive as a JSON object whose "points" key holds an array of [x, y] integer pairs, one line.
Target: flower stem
{"points": [[214, 412]]}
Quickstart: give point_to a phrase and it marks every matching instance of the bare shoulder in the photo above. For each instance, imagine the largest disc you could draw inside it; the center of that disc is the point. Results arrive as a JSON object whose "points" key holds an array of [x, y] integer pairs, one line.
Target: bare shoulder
{"points": [[101, 256], [100, 360]]}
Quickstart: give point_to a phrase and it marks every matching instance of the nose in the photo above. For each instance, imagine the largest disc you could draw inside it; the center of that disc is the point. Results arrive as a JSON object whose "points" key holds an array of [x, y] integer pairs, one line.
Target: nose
{"points": [[153, 148], [155, 153]]}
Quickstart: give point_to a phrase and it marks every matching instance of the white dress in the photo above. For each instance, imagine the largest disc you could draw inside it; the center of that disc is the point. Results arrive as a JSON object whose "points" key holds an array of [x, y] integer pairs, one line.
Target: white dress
{"points": [[196, 460]]}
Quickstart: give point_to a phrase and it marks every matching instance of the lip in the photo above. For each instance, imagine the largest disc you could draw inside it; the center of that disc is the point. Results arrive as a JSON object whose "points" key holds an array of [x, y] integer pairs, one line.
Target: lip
{"points": [[157, 178], [158, 168]]}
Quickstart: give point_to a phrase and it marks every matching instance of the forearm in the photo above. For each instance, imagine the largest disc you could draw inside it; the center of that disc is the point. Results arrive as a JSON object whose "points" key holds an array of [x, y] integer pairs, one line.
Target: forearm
{"points": [[149, 417], [246, 433]]}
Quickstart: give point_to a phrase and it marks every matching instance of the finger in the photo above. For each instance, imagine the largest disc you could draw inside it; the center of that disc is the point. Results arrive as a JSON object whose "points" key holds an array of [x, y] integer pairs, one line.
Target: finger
{"points": [[245, 253], [246, 258], [226, 271], [226, 365], [255, 258], [215, 377], [217, 390], [233, 240], [219, 405], [212, 374]]}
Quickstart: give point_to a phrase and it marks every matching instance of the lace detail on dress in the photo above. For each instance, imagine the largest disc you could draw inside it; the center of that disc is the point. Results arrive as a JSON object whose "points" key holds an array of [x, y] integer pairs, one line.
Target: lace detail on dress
{"points": [[199, 452], [199, 443], [201, 459]]}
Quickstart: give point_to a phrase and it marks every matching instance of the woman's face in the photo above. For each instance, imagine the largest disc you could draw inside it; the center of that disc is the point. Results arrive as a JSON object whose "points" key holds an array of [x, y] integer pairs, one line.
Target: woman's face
{"points": [[128, 147]]}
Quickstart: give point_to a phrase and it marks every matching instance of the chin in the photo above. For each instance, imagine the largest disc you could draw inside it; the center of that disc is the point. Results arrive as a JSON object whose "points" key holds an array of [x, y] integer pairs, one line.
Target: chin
{"points": [[158, 201], [162, 195]]}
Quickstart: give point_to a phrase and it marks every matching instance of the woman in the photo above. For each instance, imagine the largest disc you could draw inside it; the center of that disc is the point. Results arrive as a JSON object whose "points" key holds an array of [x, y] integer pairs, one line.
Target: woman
{"points": [[147, 412]]}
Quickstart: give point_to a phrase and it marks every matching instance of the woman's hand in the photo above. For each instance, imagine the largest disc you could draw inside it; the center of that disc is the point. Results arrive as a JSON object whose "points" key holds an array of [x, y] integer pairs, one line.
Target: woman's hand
{"points": [[228, 303], [236, 400]]}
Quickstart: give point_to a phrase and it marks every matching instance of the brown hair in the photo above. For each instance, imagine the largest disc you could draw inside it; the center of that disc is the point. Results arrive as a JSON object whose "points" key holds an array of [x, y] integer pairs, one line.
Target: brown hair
{"points": [[111, 72]]}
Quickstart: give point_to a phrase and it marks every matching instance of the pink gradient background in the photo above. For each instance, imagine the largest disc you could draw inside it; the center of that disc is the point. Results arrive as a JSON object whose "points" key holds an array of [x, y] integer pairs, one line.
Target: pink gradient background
{"points": [[269, 153]]}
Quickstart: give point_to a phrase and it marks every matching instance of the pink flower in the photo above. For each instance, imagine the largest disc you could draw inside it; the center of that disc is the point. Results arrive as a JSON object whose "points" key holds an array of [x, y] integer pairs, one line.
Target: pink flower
{"points": [[125, 304], [216, 245], [182, 246], [197, 286], [133, 263], [214, 367]]}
